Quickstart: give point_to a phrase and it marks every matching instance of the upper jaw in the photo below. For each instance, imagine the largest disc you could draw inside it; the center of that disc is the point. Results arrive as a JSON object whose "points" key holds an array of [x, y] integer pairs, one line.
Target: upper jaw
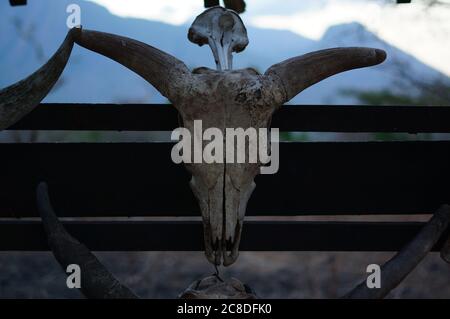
{"points": [[222, 251], [223, 209], [222, 241]]}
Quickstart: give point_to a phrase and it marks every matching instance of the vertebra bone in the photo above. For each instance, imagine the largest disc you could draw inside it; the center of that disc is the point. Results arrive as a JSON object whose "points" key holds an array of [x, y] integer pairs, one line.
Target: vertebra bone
{"points": [[224, 32]]}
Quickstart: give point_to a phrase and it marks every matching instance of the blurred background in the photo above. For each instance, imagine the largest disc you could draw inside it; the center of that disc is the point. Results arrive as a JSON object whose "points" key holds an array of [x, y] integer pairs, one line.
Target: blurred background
{"points": [[416, 37]]}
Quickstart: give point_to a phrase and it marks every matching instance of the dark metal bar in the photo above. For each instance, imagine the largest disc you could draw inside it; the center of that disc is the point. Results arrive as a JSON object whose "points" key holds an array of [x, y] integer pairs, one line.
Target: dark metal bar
{"points": [[313, 118], [17, 2], [236, 5], [187, 236], [211, 3], [140, 179]]}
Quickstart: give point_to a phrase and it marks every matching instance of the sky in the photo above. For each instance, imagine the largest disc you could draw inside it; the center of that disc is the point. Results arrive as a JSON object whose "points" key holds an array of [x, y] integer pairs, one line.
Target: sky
{"points": [[422, 31]]}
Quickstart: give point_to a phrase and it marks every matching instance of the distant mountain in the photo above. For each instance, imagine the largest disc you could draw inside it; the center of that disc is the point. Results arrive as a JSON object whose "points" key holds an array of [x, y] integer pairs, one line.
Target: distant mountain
{"points": [[30, 35]]}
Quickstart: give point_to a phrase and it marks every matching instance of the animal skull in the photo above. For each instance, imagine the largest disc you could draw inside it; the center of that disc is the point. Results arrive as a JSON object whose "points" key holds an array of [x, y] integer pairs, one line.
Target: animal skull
{"points": [[241, 98], [224, 32], [221, 99], [232, 99]]}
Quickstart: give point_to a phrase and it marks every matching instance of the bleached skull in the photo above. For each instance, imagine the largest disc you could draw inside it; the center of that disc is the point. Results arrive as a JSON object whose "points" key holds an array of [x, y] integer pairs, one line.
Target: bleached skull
{"points": [[226, 100], [221, 99], [223, 30]]}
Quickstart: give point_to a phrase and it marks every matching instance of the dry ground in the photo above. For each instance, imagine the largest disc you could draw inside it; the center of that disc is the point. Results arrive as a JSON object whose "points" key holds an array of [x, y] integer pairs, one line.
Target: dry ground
{"points": [[271, 275]]}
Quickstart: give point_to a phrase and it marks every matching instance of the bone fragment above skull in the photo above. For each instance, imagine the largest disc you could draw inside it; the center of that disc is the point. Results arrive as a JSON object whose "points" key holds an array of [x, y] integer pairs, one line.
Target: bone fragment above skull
{"points": [[224, 32]]}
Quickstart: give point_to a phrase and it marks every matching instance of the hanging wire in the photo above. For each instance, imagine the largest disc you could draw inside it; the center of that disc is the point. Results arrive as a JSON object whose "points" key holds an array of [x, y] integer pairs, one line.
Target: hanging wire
{"points": [[217, 274]]}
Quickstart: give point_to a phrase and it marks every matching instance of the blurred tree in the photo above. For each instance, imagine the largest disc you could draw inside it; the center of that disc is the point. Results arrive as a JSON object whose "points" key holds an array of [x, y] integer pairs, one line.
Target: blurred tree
{"points": [[436, 93]]}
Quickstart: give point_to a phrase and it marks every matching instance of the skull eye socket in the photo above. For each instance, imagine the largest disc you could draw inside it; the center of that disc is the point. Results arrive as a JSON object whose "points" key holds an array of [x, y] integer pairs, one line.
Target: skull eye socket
{"points": [[239, 47], [193, 36]]}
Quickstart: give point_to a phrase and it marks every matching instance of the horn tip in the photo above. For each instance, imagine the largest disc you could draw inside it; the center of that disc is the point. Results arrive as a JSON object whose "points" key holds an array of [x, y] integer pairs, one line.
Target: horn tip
{"points": [[445, 257], [75, 32], [380, 55]]}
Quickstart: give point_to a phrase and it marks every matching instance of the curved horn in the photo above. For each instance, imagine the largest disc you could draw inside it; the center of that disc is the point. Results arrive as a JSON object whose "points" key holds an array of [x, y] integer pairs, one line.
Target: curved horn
{"points": [[20, 98], [165, 72], [445, 251], [96, 281], [399, 266], [296, 74]]}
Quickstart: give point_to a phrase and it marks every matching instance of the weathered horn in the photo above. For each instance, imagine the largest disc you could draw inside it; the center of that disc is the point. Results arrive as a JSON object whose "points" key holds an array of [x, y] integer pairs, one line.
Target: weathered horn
{"points": [[399, 266], [296, 74], [96, 281], [19, 99], [166, 73], [445, 251]]}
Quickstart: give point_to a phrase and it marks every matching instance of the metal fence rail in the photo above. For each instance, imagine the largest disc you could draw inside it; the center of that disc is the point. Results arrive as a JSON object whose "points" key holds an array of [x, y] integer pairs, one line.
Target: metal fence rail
{"points": [[308, 118], [139, 179]]}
